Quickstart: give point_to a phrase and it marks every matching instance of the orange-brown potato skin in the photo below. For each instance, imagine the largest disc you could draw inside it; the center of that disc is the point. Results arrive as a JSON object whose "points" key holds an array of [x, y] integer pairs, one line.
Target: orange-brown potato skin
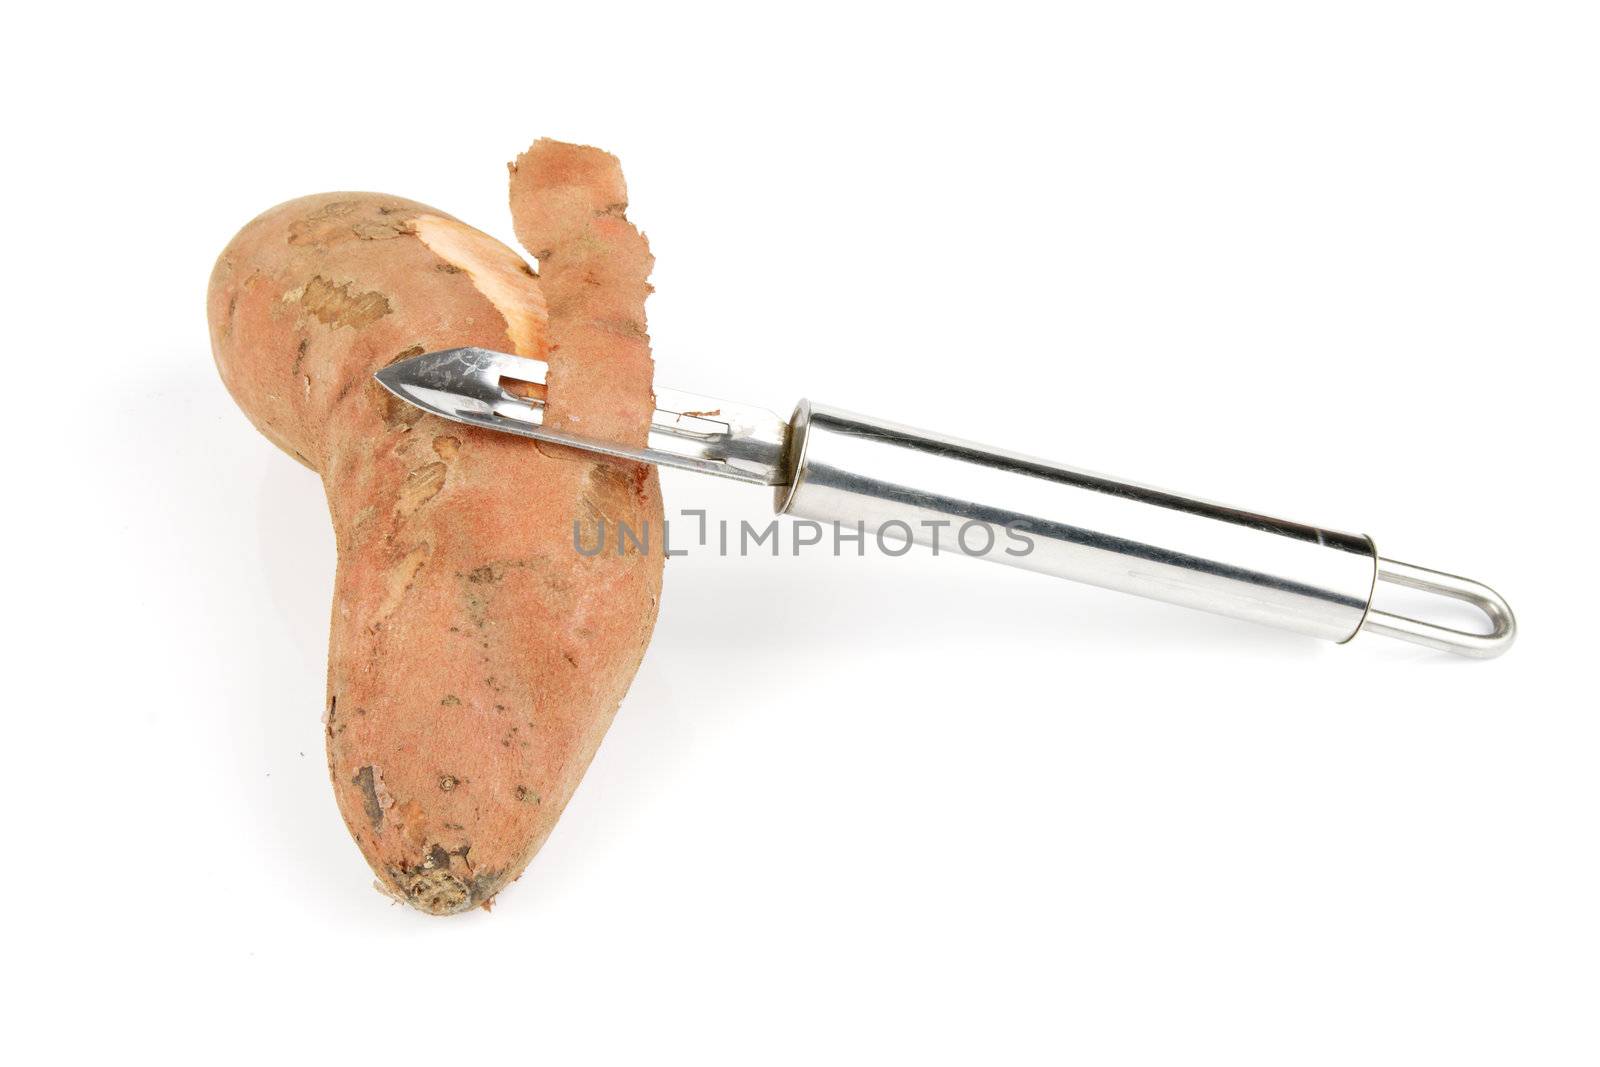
{"points": [[476, 659], [569, 204]]}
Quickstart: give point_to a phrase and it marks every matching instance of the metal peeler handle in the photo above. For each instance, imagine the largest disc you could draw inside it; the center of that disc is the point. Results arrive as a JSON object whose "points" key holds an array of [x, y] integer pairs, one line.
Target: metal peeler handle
{"points": [[1030, 513]]}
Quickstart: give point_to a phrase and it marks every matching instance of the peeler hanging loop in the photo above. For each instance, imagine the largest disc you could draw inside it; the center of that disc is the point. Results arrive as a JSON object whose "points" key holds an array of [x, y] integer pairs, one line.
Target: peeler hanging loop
{"points": [[1503, 624]]}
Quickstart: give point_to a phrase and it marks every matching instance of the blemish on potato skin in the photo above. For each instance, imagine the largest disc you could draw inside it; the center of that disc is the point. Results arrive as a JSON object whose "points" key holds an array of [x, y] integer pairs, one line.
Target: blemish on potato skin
{"points": [[320, 225], [382, 229], [421, 486], [485, 886], [445, 882], [366, 780], [401, 578], [445, 447], [398, 414], [411, 819], [450, 701], [626, 327], [608, 492], [438, 892], [331, 225], [336, 306]]}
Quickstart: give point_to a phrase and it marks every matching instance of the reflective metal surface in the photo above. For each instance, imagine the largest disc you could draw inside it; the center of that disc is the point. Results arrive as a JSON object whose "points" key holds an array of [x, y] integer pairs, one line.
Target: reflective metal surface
{"points": [[1502, 623], [832, 466], [689, 431], [1079, 525]]}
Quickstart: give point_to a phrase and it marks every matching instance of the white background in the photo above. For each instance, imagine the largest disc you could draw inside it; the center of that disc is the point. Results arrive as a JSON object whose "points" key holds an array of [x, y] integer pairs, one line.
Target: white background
{"points": [[1335, 262]]}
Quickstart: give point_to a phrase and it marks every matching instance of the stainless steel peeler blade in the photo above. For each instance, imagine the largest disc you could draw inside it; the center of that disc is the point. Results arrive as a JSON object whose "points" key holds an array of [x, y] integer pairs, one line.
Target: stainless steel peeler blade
{"points": [[689, 431]]}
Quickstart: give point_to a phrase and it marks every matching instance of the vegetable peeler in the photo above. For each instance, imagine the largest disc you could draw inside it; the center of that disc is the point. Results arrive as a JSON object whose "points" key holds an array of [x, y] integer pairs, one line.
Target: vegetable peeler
{"points": [[833, 466]]}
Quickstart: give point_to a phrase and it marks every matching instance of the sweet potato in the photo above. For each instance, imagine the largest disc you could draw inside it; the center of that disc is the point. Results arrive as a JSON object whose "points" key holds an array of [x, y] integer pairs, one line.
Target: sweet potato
{"points": [[476, 659]]}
